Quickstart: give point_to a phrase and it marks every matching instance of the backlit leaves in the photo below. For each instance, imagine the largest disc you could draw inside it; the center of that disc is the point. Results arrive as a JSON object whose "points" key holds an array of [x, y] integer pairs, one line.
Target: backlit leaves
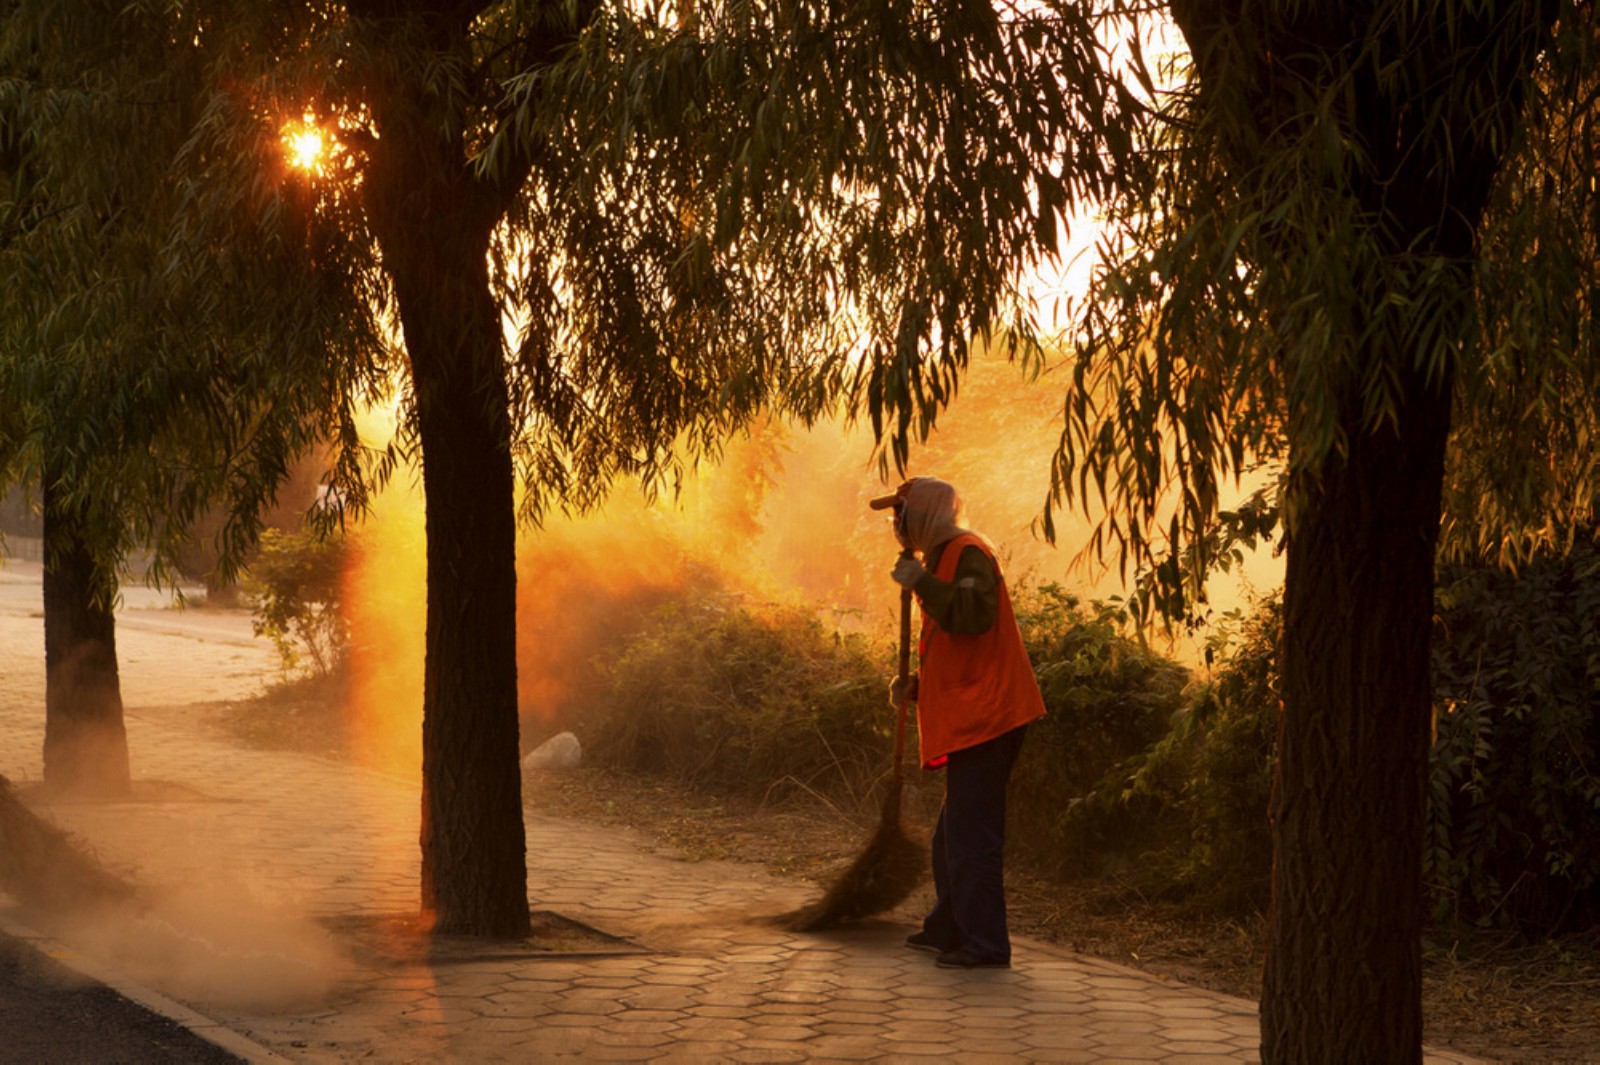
{"points": [[1277, 273], [846, 193], [154, 366]]}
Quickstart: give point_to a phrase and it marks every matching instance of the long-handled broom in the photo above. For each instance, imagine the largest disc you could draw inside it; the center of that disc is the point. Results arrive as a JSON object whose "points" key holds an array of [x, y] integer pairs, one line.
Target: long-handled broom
{"points": [[891, 865]]}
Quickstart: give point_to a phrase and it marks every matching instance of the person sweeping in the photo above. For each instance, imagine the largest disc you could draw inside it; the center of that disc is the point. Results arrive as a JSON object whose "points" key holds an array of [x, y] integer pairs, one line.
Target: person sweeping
{"points": [[976, 695]]}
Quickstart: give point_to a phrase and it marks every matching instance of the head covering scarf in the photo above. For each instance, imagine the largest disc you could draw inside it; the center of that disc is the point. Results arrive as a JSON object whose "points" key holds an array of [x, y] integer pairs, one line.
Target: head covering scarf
{"points": [[929, 512]]}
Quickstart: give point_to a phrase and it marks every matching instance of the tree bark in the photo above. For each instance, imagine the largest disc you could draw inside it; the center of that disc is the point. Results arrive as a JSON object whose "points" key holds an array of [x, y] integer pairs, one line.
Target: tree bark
{"points": [[85, 740], [1343, 978], [433, 219], [433, 212], [474, 869]]}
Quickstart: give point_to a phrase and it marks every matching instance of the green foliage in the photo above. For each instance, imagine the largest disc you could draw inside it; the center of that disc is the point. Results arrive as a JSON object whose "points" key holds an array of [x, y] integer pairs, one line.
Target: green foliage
{"points": [[1513, 813], [1139, 771], [772, 705], [1230, 735], [767, 703], [1106, 699], [834, 198], [1262, 298], [1146, 772], [697, 209], [1522, 478], [296, 582], [152, 369], [1209, 778], [1191, 806], [1514, 803]]}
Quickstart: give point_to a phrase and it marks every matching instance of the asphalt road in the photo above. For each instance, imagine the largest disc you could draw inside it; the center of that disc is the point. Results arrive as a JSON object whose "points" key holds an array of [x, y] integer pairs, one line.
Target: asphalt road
{"points": [[50, 1015]]}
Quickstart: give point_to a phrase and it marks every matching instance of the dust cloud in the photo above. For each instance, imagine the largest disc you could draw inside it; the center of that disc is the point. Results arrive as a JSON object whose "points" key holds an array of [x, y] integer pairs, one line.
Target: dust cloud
{"points": [[213, 944], [204, 935], [782, 518]]}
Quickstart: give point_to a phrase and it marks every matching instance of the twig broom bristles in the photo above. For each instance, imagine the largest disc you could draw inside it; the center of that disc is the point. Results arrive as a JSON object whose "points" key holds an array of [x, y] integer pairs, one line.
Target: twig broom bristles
{"points": [[891, 865]]}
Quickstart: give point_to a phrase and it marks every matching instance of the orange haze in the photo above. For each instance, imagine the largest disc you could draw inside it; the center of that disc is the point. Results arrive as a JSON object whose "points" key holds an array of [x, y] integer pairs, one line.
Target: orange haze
{"points": [[782, 517]]}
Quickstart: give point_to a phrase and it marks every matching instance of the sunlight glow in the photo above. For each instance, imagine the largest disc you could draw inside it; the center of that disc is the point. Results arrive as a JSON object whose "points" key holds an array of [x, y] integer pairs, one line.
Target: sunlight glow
{"points": [[305, 146]]}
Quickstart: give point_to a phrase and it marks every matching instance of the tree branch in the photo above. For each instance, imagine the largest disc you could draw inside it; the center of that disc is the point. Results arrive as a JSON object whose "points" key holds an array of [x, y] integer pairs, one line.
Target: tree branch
{"points": [[540, 47]]}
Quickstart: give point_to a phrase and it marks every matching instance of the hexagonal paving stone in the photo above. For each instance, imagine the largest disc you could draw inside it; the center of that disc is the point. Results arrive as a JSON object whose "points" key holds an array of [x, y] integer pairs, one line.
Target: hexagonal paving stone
{"points": [[722, 997], [735, 1013], [974, 1047], [573, 1020], [506, 1024], [763, 1030], [604, 1052], [1199, 1046], [1118, 1027], [849, 1048], [766, 1055], [634, 1036], [903, 1048], [1189, 1031], [1121, 1051], [1003, 1012], [1068, 1055], [984, 1025], [802, 1009], [614, 982]]}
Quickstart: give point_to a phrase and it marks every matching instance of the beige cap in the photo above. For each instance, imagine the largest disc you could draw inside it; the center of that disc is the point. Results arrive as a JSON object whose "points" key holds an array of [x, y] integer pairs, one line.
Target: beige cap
{"points": [[894, 499]]}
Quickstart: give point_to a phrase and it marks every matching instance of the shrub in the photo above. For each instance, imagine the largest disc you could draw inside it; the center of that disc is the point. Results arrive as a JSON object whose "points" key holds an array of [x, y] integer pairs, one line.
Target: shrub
{"points": [[1107, 698], [1513, 834], [1137, 770], [1513, 811], [768, 704], [1178, 797], [1230, 734], [295, 583]]}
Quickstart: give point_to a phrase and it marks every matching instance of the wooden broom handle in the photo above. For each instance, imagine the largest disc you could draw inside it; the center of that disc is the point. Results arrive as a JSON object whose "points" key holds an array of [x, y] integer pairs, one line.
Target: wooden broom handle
{"points": [[905, 676]]}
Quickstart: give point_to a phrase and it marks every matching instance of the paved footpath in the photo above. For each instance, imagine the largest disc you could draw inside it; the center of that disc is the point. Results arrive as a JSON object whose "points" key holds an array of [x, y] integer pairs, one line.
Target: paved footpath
{"points": [[280, 874]]}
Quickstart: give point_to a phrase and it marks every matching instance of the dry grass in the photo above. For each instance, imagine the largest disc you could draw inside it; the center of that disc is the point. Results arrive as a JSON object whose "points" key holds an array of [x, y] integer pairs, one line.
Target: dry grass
{"points": [[299, 715]]}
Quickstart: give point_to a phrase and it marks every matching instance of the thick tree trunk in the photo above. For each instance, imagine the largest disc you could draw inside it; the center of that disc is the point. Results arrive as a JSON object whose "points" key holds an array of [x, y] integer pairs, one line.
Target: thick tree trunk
{"points": [[1343, 980], [433, 211], [85, 742], [474, 869], [1343, 977], [434, 223]]}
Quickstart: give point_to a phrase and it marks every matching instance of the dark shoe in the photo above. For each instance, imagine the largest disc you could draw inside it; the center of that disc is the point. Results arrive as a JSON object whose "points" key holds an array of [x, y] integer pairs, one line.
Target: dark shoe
{"points": [[923, 941], [960, 959]]}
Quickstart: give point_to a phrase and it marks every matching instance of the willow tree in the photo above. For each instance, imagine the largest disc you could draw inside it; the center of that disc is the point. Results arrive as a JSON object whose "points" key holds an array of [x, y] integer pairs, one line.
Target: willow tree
{"points": [[139, 387], [1312, 273], [692, 211]]}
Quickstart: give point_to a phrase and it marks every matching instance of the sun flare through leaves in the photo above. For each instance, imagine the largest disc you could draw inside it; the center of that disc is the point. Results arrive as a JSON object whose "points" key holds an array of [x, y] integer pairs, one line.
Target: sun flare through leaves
{"points": [[305, 146]]}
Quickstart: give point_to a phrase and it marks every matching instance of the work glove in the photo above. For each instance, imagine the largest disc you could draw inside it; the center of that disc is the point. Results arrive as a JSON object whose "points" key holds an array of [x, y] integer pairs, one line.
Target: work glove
{"points": [[903, 690], [907, 572]]}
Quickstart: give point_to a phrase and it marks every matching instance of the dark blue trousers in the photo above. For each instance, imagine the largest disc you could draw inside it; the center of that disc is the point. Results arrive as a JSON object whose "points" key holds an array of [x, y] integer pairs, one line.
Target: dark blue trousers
{"points": [[969, 849]]}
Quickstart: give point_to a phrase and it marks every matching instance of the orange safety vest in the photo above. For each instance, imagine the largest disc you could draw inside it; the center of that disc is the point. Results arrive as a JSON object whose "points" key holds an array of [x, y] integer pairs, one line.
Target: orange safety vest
{"points": [[971, 688]]}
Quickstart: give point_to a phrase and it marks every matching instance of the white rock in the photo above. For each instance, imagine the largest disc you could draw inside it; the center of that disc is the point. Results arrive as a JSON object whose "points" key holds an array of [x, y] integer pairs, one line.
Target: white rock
{"points": [[561, 751]]}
